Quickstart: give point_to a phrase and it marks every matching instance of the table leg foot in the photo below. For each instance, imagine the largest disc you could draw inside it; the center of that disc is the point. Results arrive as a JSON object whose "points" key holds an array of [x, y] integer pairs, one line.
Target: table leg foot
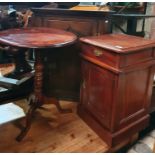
{"points": [[28, 122], [60, 109]]}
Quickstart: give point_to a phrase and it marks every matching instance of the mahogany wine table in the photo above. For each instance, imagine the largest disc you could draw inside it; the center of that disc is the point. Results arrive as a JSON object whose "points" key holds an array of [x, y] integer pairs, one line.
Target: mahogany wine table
{"points": [[39, 39]]}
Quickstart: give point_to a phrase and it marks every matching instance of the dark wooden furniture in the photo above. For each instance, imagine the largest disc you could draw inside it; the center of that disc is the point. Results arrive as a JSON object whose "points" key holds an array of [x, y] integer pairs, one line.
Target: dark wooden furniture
{"points": [[116, 87], [39, 39], [66, 66], [82, 23], [152, 106]]}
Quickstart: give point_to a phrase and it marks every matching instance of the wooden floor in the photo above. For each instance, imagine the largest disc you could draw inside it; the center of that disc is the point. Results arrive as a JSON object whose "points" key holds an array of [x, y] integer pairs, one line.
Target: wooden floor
{"points": [[51, 132]]}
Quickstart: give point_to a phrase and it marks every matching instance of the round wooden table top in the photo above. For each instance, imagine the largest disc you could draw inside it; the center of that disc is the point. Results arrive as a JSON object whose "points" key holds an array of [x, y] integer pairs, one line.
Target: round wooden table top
{"points": [[36, 37]]}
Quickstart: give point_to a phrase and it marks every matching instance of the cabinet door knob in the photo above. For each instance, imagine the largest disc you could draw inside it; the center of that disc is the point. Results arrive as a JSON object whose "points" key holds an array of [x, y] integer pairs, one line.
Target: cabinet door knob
{"points": [[97, 53]]}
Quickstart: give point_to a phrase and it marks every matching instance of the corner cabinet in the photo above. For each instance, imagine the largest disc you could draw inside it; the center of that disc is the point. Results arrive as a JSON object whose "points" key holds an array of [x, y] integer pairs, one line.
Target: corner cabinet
{"points": [[116, 86]]}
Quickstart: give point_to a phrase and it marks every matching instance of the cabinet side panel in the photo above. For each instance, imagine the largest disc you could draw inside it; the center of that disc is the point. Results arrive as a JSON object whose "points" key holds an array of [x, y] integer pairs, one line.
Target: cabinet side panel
{"points": [[134, 103]]}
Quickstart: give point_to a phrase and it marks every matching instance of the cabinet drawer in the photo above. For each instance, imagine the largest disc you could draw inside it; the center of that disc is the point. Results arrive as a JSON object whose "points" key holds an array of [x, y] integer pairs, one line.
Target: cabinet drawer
{"points": [[117, 60], [102, 55]]}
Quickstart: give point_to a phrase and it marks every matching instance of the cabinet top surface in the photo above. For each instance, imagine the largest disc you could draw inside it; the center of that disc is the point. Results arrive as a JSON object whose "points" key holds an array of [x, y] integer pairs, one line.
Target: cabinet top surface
{"points": [[119, 43], [36, 37]]}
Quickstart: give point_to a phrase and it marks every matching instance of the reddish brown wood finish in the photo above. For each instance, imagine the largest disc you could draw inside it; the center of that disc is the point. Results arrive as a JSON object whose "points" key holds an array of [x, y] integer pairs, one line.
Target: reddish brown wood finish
{"points": [[38, 38], [66, 66], [117, 78], [152, 107], [119, 43]]}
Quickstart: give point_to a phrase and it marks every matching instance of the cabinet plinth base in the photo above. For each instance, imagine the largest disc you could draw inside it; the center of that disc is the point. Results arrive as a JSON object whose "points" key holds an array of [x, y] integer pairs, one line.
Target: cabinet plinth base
{"points": [[115, 138]]}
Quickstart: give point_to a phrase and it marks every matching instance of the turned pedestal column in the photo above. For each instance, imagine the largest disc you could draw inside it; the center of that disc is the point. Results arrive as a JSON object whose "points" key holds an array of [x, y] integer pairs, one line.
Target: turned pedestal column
{"points": [[38, 39]]}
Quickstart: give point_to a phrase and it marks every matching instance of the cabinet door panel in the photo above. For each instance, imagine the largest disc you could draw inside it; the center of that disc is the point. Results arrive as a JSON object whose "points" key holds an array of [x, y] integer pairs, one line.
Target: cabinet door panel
{"points": [[134, 104], [101, 94], [84, 83]]}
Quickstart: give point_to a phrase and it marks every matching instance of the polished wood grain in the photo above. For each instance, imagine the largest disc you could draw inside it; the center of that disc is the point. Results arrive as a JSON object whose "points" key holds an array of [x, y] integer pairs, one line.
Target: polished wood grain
{"points": [[36, 38], [64, 66], [100, 54], [52, 133], [117, 78], [119, 43]]}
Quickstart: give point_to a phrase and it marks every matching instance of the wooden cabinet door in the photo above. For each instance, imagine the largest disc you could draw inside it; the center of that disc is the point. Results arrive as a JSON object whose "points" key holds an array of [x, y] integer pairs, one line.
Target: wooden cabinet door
{"points": [[98, 93], [84, 83]]}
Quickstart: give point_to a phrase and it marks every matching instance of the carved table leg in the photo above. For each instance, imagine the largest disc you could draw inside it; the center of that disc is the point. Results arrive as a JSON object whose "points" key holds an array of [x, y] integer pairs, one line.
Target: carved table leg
{"points": [[37, 101], [38, 97], [29, 116]]}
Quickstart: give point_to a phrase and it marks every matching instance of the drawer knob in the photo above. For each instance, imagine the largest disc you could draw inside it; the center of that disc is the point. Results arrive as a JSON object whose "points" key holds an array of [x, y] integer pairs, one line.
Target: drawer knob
{"points": [[97, 53]]}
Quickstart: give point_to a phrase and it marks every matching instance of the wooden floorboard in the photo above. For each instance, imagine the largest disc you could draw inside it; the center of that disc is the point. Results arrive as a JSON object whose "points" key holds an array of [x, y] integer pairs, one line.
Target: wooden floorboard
{"points": [[52, 132]]}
